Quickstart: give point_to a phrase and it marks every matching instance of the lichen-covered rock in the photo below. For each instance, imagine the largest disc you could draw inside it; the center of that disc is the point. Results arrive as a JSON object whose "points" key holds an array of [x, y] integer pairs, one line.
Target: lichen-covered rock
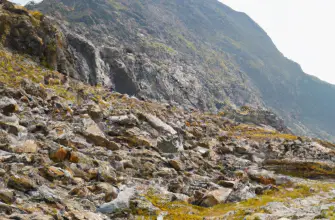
{"points": [[21, 183], [7, 196]]}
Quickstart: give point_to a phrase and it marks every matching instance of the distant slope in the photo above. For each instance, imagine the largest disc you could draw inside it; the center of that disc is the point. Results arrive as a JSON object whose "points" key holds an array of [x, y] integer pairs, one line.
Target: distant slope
{"points": [[230, 57]]}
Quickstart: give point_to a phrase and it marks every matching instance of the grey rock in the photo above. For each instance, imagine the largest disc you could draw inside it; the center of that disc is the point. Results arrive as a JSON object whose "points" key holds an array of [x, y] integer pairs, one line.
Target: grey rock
{"points": [[120, 203], [169, 145]]}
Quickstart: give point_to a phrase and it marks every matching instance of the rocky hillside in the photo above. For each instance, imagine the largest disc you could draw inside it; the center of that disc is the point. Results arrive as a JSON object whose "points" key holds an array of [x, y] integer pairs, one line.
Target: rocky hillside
{"points": [[73, 151], [197, 53]]}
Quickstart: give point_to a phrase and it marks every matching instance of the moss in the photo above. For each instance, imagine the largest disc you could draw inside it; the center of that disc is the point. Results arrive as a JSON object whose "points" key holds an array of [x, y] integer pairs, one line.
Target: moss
{"points": [[160, 47], [116, 5], [183, 210], [37, 15]]}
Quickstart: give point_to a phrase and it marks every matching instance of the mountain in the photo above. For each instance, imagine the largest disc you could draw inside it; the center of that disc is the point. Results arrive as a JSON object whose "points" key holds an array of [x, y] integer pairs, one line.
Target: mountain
{"points": [[196, 53], [74, 151]]}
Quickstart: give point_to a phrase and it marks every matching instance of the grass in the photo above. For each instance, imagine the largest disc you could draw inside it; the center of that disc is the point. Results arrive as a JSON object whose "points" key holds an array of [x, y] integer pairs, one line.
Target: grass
{"points": [[161, 47], [257, 133], [303, 169]]}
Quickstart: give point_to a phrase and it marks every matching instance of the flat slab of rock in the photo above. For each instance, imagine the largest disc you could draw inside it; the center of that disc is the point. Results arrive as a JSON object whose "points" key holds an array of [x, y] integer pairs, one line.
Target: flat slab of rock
{"points": [[158, 124]]}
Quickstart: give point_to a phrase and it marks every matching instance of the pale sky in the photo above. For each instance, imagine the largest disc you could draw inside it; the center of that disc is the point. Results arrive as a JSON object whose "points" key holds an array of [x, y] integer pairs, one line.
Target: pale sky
{"points": [[303, 30]]}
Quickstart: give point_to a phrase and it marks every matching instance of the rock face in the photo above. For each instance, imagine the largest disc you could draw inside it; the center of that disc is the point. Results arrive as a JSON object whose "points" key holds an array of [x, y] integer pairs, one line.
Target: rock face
{"points": [[34, 34], [135, 47]]}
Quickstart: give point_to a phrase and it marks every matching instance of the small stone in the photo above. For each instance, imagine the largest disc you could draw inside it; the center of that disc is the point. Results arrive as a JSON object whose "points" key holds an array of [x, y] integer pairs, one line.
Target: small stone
{"points": [[202, 150], [2, 172], [7, 196], [21, 183], [59, 155], [74, 157], [169, 145], [8, 105], [111, 145], [34, 89], [29, 146], [227, 184], [124, 119], [176, 164]]}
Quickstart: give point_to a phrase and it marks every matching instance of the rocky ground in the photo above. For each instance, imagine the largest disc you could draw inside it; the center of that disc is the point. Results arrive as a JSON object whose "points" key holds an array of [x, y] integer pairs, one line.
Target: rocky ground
{"points": [[72, 151]]}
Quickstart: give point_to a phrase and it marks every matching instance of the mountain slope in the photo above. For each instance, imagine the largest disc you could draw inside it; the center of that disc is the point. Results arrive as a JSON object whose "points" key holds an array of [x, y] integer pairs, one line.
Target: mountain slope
{"points": [[222, 55], [69, 150]]}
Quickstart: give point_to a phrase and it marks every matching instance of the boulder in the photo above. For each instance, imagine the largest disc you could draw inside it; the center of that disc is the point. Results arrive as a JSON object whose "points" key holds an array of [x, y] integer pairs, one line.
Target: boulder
{"points": [[215, 197]]}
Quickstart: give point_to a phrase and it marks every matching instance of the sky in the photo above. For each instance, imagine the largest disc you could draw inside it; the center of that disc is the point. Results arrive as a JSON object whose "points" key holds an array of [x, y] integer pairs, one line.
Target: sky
{"points": [[303, 30]]}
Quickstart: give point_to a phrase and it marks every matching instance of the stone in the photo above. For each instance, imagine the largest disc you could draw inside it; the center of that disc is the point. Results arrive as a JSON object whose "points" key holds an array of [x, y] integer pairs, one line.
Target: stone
{"points": [[120, 203], [142, 205], [33, 89], [225, 149], [53, 172], [46, 194], [74, 157], [59, 154], [110, 191], [241, 192], [227, 184], [12, 126], [8, 105], [95, 112], [216, 197], [21, 183], [83, 215], [111, 145], [169, 145], [92, 132], [124, 119], [176, 164], [4, 139], [7, 196], [28, 146], [209, 143], [201, 150], [158, 124]]}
